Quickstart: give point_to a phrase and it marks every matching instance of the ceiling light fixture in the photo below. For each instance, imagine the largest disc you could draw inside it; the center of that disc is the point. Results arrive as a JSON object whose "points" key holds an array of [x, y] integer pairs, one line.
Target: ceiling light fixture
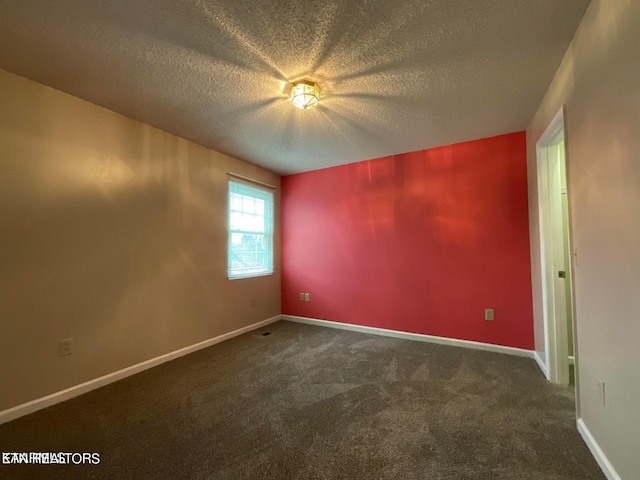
{"points": [[305, 94]]}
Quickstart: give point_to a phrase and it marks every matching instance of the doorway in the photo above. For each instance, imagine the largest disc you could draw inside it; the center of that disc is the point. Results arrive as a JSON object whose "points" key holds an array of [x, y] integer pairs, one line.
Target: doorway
{"points": [[555, 242]]}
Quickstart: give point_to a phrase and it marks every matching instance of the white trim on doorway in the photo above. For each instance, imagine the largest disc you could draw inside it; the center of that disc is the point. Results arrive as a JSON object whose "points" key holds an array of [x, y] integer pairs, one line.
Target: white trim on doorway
{"points": [[550, 151], [542, 364]]}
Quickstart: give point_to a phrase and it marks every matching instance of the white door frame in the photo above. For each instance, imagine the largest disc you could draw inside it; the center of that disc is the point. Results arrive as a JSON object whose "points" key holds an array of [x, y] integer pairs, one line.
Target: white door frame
{"points": [[554, 310]]}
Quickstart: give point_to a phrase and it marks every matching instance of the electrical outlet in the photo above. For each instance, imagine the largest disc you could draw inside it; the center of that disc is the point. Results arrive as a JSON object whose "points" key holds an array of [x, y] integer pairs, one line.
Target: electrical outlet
{"points": [[601, 393], [302, 297], [65, 347], [488, 314], [306, 297], [253, 302]]}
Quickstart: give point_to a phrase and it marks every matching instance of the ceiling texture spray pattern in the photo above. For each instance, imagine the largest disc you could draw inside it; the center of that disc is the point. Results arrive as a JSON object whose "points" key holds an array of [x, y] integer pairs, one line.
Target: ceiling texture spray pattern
{"points": [[395, 76]]}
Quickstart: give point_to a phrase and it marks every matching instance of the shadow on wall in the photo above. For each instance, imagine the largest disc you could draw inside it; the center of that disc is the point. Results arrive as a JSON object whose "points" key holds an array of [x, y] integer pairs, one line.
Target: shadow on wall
{"points": [[421, 242], [114, 234]]}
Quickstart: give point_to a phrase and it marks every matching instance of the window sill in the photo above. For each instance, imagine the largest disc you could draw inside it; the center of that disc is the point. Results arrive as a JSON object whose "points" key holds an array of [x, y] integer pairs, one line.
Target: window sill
{"points": [[251, 275]]}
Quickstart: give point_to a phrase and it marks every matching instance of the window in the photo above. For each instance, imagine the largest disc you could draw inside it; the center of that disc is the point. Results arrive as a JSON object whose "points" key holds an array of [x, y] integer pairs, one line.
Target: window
{"points": [[250, 230]]}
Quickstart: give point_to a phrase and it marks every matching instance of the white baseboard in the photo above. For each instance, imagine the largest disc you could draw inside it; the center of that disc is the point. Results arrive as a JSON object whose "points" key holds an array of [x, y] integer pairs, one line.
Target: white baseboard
{"points": [[597, 452], [520, 352], [61, 396], [542, 365]]}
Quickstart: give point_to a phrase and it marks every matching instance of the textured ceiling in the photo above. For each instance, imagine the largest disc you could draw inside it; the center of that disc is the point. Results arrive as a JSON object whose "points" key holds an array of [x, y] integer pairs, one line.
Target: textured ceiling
{"points": [[395, 75]]}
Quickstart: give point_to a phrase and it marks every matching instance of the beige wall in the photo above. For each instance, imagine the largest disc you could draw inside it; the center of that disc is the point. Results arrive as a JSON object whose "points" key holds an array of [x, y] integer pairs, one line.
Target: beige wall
{"points": [[599, 81], [113, 233]]}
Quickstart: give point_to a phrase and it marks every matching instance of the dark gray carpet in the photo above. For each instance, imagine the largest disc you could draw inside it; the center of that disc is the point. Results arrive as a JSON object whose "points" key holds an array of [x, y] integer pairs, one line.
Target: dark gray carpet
{"points": [[308, 402]]}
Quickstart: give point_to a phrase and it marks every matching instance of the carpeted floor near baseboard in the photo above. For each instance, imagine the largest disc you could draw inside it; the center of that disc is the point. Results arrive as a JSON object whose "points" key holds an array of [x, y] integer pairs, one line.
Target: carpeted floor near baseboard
{"points": [[309, 402]]}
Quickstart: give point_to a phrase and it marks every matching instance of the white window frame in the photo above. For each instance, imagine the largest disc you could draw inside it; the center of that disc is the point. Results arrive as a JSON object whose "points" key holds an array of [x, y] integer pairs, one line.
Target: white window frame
{"points": [[255, 225]]}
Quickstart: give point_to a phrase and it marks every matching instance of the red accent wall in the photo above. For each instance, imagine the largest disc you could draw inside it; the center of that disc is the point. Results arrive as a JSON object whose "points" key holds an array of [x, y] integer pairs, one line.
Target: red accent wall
{"points": [[421, 242]]}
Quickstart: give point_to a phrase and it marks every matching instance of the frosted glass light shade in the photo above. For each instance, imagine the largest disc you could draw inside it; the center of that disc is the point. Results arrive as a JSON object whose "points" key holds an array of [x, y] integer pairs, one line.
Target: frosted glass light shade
{"points": [[305, 95]]}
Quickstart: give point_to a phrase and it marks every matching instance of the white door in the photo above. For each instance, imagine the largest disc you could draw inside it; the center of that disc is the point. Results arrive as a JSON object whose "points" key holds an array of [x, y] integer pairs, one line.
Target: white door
{"points": [[554, 240]]}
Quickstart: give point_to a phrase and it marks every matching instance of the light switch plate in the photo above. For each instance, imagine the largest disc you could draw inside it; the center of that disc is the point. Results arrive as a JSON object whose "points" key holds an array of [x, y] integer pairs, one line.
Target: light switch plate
{"points": [[64, 347]]}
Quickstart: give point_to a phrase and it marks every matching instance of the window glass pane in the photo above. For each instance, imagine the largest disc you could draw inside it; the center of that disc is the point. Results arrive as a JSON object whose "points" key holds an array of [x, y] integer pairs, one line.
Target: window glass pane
{"points": [[235, 201], [236, 238], [235, 220], [257, 224], [246, 222], [247, 204]]}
